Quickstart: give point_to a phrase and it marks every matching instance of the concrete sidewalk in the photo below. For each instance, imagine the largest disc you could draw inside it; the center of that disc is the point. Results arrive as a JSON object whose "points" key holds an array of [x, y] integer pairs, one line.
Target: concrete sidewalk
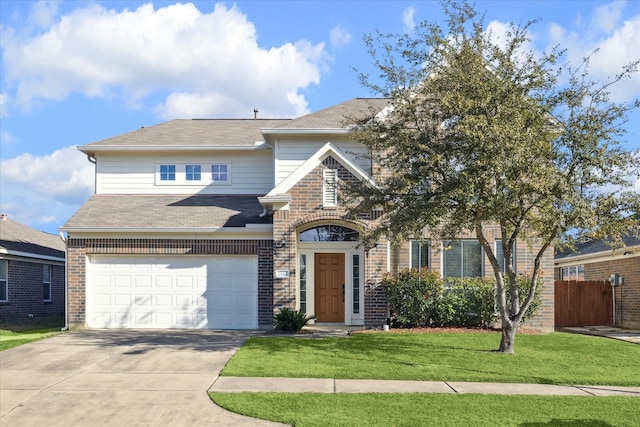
{"points": [[327, 385]]}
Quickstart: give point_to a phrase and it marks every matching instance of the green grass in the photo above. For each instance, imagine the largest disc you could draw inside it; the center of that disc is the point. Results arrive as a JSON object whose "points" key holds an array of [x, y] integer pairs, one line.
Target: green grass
{"points": [[315, 409], [16, 334], [558, 358]]}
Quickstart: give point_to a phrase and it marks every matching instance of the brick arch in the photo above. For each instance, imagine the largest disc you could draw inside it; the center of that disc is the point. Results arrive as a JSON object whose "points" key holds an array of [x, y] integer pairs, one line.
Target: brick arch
{"points": [[321, 218]]}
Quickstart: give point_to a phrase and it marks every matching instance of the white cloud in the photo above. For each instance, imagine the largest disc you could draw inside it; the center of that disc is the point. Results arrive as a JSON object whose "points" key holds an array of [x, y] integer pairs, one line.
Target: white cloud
{"points": [[189, 55], [617, 43], [43, 13], [338, 36], [4, 103], [408, 20], [65, 175]]}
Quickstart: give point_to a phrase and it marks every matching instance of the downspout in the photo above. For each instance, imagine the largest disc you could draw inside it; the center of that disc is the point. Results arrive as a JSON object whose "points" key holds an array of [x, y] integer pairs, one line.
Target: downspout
{"points": [[66, 283]]}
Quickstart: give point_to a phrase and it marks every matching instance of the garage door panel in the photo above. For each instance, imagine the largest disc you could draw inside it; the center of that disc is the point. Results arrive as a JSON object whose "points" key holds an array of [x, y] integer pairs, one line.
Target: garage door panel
{"points": [[157, 292]]}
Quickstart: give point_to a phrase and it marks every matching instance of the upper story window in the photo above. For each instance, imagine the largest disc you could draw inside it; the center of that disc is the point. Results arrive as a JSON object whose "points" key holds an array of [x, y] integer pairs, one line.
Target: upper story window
{"points": [[167, 172], [46, 282], [220, 172], [462, 258], [330, 187], [419, 254], [4, 280], [193, 172]]}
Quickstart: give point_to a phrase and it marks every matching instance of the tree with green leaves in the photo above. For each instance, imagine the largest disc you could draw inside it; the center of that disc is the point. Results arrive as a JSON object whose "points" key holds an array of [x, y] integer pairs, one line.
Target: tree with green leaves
{"points": [[479, 133]]}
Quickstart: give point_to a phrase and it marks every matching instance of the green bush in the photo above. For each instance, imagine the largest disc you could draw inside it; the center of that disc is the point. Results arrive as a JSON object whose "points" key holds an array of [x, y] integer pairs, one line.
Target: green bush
{"points": [[413, 296], [425, 299], [291, 320], [467, 302]]}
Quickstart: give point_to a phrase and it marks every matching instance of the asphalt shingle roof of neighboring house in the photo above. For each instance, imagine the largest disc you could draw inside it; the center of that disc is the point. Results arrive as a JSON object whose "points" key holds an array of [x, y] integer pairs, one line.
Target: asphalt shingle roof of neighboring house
{"points": [[596, 246], [340, 115], [167, 211], [17, 237]]}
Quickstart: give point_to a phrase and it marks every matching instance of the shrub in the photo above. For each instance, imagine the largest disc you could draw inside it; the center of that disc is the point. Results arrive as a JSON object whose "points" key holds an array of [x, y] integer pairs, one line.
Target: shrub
{"points": [[291, 320], [467, 302], [413, 296]]}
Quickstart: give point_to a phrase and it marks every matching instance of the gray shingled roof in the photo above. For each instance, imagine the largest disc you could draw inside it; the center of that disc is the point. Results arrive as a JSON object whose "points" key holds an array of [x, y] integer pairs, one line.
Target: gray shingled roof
{"points": [[16, 237], [136, 211], [197, 132], [340, 115], [596, 246]]}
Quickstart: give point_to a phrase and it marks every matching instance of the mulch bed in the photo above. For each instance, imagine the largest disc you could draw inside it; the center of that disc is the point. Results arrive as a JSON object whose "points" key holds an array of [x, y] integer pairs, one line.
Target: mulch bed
{"points": [[528, 331]]}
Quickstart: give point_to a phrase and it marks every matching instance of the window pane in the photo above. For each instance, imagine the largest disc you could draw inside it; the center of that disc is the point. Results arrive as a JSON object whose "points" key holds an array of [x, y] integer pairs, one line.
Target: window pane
{"points": [[219, 172], [46, 291], [193, 172], [471, 259], [3, 269], [329, 233], [303, 283], [167, 172], [356, 284], [4, 292], [46, 273], [419, 254], [452, 259]]}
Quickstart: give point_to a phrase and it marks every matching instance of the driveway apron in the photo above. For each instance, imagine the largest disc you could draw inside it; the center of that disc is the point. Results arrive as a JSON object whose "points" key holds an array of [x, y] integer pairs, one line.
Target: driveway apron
{"points": [[118, 378]]}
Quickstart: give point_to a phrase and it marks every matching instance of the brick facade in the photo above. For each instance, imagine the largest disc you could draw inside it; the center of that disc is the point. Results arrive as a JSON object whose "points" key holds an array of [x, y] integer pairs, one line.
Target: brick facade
{"points": [[627, 294], [25, 291], [79, 249], [524, 258]]}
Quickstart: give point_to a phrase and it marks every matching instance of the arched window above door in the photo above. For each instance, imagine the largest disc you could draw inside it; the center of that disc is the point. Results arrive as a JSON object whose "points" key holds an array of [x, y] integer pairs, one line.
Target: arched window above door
{"points": [[329, 233]]}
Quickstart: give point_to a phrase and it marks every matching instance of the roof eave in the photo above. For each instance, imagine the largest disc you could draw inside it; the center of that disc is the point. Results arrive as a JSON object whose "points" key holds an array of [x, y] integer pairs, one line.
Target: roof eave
{"points": [[305, 131], [92, 149]]}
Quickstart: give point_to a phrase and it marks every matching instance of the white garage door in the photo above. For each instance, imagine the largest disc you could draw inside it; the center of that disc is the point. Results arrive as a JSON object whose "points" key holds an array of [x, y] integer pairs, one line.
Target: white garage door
{"points": [[166, 292]]}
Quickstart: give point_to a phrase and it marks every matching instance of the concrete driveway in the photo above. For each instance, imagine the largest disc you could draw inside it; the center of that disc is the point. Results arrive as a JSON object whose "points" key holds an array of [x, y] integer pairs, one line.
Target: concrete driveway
{"points": [[118, 378]]}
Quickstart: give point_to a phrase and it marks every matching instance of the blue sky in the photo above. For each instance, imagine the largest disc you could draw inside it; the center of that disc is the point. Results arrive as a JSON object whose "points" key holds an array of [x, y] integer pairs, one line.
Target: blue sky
{"points": [[76, 72]]}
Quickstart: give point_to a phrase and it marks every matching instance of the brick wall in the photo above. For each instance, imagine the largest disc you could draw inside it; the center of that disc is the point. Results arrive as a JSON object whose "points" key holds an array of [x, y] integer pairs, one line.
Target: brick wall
{"points": [[525, 256], [306, 210], [627, 295], [78, 249], [26, 292]]}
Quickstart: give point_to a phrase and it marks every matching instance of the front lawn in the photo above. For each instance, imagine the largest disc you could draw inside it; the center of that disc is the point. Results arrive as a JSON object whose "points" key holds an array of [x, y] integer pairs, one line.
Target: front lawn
{"points": [[557, 358], [316, 409], [15, 334]]}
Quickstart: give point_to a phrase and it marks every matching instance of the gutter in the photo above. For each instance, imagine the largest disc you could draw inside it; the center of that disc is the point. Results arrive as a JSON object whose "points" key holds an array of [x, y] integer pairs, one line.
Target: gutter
{"points": [[66, 284]]}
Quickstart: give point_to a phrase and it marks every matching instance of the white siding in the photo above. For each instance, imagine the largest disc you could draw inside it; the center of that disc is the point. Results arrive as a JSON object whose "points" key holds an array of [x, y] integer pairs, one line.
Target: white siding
{"points": [[135, 173], [291, 153]]}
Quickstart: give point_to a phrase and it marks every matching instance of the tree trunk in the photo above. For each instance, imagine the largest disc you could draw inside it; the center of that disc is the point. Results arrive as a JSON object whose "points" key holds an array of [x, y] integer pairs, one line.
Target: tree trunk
{"points": [[508, 338]]}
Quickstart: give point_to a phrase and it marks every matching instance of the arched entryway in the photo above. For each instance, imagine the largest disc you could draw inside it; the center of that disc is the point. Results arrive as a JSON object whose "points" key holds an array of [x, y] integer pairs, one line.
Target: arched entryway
{"points": [[330, 272]]}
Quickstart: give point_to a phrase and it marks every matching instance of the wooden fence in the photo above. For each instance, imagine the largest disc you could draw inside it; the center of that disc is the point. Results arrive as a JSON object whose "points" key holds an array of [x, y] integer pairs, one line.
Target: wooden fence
{"points": [[583, 303]]}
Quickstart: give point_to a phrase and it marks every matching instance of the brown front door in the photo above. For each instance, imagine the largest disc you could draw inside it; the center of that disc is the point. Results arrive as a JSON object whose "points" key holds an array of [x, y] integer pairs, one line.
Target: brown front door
{"points": [[329, 287]]}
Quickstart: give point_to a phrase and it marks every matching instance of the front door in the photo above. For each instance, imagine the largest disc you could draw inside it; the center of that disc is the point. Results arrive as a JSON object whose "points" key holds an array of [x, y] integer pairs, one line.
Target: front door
{"points": [[329, 287]]}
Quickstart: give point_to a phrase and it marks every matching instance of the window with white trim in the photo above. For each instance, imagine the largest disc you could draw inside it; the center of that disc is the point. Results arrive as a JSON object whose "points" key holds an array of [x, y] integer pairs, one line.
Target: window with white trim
{"points": [[502, 261], [330, 187], [167, 172], [220, 172], [462, 258], [419, 254], [193, 172], [4, 280], [574, 272], [46, 282]]}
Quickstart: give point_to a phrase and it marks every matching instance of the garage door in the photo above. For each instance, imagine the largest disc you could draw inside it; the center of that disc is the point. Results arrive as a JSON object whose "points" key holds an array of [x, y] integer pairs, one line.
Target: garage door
{"points": [[166, 292]]}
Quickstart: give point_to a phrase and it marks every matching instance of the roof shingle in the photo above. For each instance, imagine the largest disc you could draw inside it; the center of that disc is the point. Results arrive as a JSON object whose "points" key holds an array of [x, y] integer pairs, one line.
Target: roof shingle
{"points": [[21, 238]]}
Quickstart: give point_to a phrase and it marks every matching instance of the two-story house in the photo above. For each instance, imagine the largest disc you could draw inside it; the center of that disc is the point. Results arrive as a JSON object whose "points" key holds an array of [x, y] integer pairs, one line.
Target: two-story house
{"points": [[220, 223]]}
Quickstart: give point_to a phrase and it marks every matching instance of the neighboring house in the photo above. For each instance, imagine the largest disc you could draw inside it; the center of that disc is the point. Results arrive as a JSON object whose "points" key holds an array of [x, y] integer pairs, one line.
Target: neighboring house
{"points": [[31, 273], [594, 260], [220, 223]]}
